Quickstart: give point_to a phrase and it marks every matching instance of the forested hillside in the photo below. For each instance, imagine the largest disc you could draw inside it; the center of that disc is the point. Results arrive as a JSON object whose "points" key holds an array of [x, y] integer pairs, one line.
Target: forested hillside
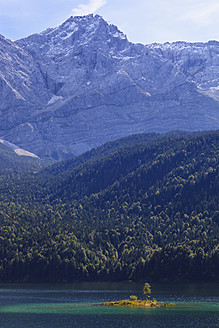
{"points": [[12, 164], [141, 208]]}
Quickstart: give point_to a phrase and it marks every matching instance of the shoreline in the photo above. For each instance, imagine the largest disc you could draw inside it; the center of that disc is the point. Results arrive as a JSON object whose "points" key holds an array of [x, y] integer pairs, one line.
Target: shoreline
{"points": [[138, 303]]}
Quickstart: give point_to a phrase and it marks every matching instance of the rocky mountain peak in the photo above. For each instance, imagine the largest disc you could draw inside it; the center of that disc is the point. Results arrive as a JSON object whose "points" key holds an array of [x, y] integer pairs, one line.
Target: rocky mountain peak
{"points": [[88, 27], [80, 31], [82, 83]]}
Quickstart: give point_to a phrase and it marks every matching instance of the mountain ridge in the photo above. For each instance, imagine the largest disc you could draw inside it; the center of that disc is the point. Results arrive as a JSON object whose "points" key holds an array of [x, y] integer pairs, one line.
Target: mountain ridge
{"points": [[74, 87]]}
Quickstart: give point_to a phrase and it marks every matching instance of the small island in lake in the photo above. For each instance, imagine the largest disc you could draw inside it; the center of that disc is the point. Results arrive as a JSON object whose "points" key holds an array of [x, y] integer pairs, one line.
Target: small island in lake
{"points": [[135, 302], [138, 303]]}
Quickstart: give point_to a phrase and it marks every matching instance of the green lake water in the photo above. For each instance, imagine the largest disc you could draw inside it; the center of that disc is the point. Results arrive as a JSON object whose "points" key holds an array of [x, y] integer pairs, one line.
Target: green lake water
{"points": [[78, 305]]}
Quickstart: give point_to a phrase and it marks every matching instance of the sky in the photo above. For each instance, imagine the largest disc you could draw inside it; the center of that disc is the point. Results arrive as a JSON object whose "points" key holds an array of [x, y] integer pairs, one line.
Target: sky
{"points": [[143, 21]]}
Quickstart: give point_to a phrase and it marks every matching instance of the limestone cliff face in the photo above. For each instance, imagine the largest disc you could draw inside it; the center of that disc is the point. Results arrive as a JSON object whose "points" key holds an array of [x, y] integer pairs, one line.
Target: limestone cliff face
{"points": [[74, 87]]}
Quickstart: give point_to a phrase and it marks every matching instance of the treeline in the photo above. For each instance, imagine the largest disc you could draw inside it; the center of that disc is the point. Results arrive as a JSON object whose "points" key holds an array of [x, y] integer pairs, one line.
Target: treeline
{"points": [[141, 208]]}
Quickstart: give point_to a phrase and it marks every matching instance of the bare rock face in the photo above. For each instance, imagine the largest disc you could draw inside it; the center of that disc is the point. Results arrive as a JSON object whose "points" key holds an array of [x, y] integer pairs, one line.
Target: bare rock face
{"points": [[76, 86]]}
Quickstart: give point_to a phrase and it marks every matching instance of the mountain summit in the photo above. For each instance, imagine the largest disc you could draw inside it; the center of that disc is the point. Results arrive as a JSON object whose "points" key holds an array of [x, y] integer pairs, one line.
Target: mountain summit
{"points": [[76, 86]]}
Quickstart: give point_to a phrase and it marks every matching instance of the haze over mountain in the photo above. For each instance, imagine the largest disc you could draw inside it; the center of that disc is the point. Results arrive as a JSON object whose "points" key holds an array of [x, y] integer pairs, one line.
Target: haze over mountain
{"points": [[76, 86]]}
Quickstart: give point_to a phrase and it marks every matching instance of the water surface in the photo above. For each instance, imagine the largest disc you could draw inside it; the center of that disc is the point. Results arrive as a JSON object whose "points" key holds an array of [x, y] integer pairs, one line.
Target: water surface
{"points": [[65, 306]]}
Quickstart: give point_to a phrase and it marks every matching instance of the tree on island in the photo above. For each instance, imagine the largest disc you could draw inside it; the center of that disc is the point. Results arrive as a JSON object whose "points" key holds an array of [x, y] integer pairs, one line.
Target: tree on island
{"points": [[147, 289], [133, 300]]}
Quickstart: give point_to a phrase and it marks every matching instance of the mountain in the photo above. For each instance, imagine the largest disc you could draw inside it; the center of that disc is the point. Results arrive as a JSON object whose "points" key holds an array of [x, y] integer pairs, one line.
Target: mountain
{"points": [[74, 87], [198, 61], [141, 208]]}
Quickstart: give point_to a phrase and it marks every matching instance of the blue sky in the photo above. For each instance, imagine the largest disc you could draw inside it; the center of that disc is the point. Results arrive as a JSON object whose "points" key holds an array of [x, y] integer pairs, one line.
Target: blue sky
{"points": [[144, 21]]}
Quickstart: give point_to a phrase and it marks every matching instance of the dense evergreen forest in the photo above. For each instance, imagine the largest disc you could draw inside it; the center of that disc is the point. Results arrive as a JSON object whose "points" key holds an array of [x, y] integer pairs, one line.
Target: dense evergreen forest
{"points": [[141, 208]]}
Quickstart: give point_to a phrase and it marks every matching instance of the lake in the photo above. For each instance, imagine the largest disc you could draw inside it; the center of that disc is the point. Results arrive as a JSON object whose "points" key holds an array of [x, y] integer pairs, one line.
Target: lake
{"points": [[78, 305]]}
